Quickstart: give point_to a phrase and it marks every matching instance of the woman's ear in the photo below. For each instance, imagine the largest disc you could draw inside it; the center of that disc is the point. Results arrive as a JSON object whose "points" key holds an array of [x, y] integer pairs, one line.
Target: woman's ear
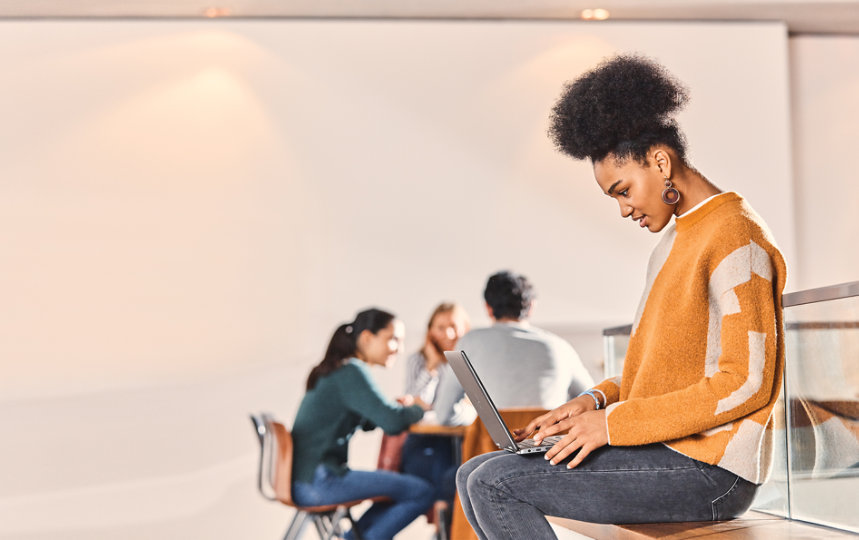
{"points": [[662, 159], [361, 343]]}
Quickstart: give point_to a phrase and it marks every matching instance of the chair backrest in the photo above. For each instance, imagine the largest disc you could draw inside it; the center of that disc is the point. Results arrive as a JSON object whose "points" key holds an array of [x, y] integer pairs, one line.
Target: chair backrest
{"points": [[274, 477], [391, 452], [477, 441], [282, 454]]}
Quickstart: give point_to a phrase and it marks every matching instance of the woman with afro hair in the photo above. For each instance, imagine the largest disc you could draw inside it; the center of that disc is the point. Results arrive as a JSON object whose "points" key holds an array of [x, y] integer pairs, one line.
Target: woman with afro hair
{"points": [[685, 434]]}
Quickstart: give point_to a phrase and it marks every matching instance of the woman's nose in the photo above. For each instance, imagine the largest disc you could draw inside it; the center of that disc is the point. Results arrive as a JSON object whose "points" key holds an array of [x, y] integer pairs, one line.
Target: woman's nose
{"points": [[625, 210]]}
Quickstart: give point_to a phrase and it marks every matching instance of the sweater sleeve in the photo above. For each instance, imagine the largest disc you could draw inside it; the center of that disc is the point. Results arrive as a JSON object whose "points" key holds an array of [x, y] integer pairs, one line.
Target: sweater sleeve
{"points": [[740, 368], [610, 389], [361, 395], [447, 398], [414, 362]]}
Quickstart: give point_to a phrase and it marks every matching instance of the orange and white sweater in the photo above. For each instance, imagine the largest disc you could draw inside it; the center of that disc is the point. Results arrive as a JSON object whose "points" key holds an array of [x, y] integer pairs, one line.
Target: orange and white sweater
{"points": [[705, 359]]}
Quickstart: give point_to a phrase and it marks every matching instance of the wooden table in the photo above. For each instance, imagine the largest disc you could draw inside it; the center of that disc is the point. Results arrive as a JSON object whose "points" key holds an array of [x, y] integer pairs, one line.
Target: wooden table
{"points": [[427, 428], [456, 433]]}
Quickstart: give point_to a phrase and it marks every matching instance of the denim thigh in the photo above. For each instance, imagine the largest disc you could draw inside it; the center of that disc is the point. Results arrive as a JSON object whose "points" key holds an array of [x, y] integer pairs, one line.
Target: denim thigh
{"points": [[614, 484], [431, 457], [329, 487]]}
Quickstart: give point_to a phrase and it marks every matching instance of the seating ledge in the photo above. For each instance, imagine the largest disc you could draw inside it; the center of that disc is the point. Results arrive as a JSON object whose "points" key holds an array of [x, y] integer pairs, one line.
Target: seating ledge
{"points": [[752, 525]]}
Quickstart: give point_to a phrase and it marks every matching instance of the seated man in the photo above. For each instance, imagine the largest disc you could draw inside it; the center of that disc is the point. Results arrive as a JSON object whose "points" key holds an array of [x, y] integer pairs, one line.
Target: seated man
{"points": [[520, 365]]}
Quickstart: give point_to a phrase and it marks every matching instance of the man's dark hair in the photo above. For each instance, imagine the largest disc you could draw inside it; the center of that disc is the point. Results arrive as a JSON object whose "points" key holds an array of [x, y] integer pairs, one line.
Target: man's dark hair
{"points": [[622, 107], [509, 295]]}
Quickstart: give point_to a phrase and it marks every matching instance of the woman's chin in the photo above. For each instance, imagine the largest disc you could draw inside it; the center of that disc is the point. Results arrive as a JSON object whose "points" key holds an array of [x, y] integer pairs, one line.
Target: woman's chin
{"points": [[655, 227]]}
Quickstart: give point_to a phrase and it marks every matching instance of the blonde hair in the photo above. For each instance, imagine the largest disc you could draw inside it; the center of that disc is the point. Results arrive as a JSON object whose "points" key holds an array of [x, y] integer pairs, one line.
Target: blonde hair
{"points": [[447, 307]]}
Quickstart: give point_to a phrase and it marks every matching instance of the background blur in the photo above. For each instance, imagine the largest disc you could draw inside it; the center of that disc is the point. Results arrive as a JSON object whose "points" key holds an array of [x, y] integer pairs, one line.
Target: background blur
{"points": [[189, 208]]}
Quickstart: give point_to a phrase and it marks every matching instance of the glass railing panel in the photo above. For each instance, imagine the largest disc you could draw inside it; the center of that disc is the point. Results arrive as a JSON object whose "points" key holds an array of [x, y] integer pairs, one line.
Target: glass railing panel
{"points": [[615, 342], [822, 390], [773, 496], [815, 472]]}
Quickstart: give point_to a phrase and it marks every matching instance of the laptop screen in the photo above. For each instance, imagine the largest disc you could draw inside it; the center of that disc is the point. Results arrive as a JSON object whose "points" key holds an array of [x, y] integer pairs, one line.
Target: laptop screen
{"points": [[480, 399]]}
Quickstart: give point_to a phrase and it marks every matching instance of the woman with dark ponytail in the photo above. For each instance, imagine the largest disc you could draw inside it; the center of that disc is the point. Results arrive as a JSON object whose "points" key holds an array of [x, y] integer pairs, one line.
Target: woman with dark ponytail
{"points": [[685, 434], [341, 397]]}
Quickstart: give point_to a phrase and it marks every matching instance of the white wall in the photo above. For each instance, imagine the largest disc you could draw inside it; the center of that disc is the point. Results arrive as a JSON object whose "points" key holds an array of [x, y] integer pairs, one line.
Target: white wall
{"points": [[825, 105], [188, 209]]}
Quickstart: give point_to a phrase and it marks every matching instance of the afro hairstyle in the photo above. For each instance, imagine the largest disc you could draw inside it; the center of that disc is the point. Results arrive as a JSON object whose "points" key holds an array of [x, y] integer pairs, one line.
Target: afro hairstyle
{"points": [[622, 107]]}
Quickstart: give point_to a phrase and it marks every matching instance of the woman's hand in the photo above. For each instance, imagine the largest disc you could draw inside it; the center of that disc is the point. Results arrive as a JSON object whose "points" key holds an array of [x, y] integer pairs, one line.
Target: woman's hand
{"points": [[546, 424], [408, 400], [585, 432], [433, 357]]}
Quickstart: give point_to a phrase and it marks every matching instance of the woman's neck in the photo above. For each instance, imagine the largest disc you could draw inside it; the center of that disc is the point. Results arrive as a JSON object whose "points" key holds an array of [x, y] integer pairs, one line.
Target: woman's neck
{"points": [[694, 188], [432, 357]]}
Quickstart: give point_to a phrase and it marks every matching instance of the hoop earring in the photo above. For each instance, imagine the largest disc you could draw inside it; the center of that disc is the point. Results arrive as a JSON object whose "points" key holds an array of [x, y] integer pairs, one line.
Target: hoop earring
{"points": [[670, 195]]}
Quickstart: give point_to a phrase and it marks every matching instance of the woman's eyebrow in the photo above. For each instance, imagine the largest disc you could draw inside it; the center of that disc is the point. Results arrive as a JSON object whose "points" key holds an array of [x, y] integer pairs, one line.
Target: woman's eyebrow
{"points": [[611, 189]]}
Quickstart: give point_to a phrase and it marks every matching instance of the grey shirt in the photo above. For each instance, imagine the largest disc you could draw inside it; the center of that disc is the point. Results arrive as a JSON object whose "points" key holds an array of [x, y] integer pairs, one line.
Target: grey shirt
{"points": [[419, 381], [520, 366], [422, 383]]}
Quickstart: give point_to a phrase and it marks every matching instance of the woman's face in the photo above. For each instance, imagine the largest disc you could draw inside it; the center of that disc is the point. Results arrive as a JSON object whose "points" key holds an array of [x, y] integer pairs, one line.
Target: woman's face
{"points": [[382, 347], [446, 329], [637, 189]]}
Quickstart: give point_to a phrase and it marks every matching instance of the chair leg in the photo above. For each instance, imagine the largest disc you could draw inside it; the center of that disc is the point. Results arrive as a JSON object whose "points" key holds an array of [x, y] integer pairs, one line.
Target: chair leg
{"points": [[335, 518], [335, 524], [328, 525], [296, 525], [441, 520], [322, 526], [356, 534]]}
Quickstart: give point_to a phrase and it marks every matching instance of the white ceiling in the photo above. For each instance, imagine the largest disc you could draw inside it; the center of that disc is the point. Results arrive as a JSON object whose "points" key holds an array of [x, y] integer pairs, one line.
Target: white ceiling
{"points": [[806, 16]]}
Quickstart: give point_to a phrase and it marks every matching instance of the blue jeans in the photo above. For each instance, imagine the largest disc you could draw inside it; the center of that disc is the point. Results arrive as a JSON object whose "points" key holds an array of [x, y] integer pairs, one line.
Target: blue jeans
{"points": [[410, 496], [431, 457], [505, 495]]}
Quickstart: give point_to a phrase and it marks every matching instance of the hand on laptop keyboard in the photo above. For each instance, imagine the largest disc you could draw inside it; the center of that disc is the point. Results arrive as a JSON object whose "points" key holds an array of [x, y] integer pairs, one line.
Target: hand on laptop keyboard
{"points": [[548, 441]]}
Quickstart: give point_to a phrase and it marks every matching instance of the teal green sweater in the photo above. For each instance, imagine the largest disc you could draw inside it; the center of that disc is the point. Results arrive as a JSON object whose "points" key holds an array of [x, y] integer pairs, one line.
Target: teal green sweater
{"points": [[339, 404]]}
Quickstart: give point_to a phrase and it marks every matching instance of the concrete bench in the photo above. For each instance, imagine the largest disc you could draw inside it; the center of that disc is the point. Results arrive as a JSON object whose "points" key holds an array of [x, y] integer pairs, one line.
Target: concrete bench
{"points": [[750, 526]]}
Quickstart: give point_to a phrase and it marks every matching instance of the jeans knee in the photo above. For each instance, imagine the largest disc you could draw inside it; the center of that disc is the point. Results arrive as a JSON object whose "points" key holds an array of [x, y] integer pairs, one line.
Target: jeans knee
{"points": [[425, 493], [461, 478], [735, 501], [475, 482]]}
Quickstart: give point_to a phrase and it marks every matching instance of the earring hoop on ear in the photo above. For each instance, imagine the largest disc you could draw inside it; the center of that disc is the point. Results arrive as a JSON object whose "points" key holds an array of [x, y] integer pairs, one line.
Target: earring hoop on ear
{"points": [[670, 195]]}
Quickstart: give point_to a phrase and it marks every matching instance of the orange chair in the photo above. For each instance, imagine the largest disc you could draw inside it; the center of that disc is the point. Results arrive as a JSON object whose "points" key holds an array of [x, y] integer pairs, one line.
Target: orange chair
{"points": [[390, 459], [274, 480], [477, 441], [391, 452]]}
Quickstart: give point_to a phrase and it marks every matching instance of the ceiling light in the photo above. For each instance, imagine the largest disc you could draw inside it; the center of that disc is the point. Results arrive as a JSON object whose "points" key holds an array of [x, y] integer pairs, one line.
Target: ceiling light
{"points": [[214, 12], [596, 14]]}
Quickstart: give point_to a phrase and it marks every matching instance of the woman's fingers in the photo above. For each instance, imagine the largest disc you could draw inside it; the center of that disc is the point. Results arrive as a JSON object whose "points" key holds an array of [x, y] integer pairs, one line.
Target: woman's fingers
{"points": [[585, 433], [532, 426], [562, 449], [553, 429], [583, 453], [522, 434], [551, 423], [525, 432]]}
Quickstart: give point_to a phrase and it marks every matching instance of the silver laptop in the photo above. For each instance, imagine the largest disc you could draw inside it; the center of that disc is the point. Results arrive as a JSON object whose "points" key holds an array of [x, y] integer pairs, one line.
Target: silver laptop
{"points": [[479, 397]]}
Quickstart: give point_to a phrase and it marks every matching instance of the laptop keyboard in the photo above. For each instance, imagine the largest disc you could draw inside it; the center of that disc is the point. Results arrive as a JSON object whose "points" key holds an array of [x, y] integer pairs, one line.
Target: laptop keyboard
{"points": [[548, 441]]}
